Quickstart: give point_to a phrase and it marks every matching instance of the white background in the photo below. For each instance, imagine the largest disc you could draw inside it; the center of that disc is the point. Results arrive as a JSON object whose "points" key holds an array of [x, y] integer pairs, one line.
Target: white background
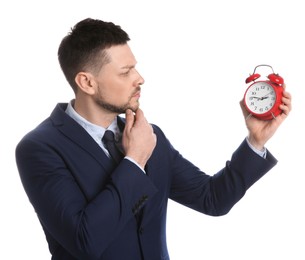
{"points": [[194, 56]]}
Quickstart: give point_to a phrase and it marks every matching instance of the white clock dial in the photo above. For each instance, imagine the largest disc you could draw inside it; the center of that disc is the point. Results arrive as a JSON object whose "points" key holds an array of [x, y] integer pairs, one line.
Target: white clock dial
{"points": [[260, 97]]}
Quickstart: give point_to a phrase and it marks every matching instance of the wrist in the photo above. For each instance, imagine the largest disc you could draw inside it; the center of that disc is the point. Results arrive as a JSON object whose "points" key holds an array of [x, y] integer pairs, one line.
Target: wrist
{"points": [[139, 160], [133, 161], [256, 145]]}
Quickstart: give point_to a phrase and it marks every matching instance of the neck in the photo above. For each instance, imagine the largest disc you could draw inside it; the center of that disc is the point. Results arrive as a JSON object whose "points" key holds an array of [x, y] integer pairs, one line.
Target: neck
{"points": [[94, 114]]}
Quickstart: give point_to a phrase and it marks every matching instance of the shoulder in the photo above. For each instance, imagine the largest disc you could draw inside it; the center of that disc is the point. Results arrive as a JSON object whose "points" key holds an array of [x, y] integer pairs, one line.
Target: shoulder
{"points": [[44, 130]]}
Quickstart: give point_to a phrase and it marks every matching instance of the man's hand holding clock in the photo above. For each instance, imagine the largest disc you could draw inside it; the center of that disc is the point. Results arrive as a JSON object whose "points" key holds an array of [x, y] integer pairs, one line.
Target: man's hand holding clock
{"points": [[266, 104], [260, 131]]}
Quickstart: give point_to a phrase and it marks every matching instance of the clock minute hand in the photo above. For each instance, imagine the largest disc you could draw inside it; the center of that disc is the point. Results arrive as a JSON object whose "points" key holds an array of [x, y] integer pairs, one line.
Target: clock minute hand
{"points": [[262, 98], [267, 94]]}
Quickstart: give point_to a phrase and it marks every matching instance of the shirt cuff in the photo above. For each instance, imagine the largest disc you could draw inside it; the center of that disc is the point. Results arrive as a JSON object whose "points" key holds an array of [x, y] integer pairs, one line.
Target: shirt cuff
{"points": [[261, 153], [133, 161]]}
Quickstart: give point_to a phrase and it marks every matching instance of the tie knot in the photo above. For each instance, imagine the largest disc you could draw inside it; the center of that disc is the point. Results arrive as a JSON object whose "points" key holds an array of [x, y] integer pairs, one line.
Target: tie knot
{"points": [[108, 136]]}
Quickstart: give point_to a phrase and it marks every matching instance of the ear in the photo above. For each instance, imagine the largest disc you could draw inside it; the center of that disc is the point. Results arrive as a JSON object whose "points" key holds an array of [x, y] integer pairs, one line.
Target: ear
{"points": [[85, 82]]}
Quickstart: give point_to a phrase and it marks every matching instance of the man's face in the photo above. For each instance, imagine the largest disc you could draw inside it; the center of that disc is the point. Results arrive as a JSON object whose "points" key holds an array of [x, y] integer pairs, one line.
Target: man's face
{"points": [[119, 82]]}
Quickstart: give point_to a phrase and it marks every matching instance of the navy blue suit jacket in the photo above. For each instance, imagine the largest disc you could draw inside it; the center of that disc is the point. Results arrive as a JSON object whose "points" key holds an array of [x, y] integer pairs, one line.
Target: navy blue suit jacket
{"points": [[90, 209]]}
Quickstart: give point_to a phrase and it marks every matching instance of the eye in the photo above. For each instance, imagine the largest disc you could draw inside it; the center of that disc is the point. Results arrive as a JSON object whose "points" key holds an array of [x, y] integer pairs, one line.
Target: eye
{"points": [[126, 73]]}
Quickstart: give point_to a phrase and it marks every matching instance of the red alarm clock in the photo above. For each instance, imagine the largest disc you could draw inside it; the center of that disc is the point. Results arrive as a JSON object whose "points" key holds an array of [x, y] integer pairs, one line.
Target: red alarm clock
{"points": [[262, 98]]}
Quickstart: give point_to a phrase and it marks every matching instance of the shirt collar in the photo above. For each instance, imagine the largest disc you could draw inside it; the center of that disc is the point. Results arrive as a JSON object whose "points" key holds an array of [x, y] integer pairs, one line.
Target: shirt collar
{"points": [[97, 132]]}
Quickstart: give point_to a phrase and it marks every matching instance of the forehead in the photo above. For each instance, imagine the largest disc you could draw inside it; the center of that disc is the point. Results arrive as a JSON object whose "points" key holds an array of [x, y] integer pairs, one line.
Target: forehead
{"points": [[121, 56]]}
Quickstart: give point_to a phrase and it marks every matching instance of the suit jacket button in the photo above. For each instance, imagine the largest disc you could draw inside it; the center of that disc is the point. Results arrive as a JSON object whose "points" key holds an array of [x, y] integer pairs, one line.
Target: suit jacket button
{"points": [[141, 230]]}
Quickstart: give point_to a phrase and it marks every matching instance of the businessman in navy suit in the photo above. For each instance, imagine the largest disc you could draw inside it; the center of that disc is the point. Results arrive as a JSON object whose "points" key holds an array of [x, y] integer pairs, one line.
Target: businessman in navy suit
{"points": [[91, 207]]}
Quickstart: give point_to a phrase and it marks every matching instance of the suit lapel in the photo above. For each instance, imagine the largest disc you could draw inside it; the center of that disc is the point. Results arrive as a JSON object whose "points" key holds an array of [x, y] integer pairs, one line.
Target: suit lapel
{"points": [[76, 133]]}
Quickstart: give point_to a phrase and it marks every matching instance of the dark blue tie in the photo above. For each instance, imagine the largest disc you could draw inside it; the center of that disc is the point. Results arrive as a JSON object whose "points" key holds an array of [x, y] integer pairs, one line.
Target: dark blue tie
{"points": [[111, 146]]}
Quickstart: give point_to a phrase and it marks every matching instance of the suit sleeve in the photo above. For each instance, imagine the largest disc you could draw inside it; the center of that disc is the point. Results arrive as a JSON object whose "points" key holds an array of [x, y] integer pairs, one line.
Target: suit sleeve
{"points": [[84, 228], [216, 194]]}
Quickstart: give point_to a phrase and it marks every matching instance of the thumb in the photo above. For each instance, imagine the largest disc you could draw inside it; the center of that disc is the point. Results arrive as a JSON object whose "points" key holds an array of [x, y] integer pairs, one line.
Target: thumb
{"points": [[129, 120], [243, 109]]}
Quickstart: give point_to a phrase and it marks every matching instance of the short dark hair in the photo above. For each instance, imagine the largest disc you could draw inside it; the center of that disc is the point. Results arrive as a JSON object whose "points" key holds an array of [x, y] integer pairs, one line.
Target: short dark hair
{"points": [[84, 47]]}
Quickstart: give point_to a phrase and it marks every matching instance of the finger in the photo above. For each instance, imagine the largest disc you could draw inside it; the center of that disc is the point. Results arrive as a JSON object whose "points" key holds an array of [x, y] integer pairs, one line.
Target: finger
{"points": [[286, 99], [139, 117], [286, 94], [243, 108], [285, 109], [286, 102], [280, 118], [129, 119]]}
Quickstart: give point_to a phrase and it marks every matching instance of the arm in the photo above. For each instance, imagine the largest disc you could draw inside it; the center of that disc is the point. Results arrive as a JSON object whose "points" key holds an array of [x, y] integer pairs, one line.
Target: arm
{"points": [[216, 194], [85, 227]]}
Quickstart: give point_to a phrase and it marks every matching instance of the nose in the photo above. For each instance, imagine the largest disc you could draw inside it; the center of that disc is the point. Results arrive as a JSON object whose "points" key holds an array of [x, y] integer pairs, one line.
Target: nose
{"points": [[140, 80]]}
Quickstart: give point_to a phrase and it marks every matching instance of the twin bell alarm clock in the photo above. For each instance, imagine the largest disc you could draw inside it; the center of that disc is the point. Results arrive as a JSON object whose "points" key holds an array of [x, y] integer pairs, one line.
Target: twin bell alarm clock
{"points": [[263, 97]]}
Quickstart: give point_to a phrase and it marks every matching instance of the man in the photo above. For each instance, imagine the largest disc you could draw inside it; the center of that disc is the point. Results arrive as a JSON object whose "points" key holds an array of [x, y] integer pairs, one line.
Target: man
{"points": [[89, 205]]}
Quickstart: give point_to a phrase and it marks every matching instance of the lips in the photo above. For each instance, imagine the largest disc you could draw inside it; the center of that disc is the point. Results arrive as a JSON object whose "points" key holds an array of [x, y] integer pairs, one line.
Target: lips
{"points": [[137, 94]]}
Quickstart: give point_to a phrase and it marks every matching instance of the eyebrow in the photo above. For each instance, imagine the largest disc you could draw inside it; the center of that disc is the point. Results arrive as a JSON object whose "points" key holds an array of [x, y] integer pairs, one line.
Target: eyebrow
{"points": [[128, 67]]}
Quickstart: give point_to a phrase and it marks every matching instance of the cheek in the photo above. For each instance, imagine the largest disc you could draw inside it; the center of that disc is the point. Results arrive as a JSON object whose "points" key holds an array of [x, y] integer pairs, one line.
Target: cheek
{"points": [[115, 93], [115, 89]]}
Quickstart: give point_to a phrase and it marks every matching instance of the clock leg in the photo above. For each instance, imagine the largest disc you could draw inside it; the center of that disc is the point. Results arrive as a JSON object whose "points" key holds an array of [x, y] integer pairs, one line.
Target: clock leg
{"points": [[273, 115], [248, 116]]}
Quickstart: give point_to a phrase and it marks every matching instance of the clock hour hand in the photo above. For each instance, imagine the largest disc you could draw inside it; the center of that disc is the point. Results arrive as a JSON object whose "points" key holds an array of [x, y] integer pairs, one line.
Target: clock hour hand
{"points": [[264, 97]]}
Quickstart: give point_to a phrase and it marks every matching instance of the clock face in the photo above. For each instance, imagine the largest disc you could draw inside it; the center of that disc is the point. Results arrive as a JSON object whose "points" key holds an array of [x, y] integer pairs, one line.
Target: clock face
{"points": [[260, 97]]}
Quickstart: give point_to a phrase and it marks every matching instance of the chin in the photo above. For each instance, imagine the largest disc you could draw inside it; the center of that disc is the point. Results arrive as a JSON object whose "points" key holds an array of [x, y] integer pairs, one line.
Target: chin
{"points": [[135, 107]]}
